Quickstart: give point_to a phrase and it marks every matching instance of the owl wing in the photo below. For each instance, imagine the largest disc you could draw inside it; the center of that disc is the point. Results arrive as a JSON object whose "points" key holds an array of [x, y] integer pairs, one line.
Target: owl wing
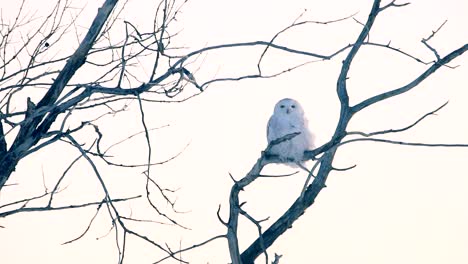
{"points": [[308, 135], [272, 128]]}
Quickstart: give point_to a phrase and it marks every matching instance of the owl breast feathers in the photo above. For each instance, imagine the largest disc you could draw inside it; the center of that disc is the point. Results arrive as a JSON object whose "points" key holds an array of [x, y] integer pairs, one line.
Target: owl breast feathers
{"points": [[288, 117]]}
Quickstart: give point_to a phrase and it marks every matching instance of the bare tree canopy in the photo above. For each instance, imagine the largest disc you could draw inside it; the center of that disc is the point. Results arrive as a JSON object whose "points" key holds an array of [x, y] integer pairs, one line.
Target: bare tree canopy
{"points": [[135, 132]]}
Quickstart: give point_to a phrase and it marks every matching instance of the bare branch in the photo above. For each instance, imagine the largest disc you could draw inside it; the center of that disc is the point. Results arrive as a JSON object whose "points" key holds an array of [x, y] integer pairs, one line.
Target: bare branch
{"points": [[397, 50], [341, 84], [146, 67], [310, 175], [295, 24], [219, 216], [3, 144], [425, 41], [400, 129], [392, 4], [192, 247], [278, 176], [344, 169], [293, 213], [277, 259], [88, 227], [57, 208], [380, 97], [259, 228], [23, 140], [415, 144]]}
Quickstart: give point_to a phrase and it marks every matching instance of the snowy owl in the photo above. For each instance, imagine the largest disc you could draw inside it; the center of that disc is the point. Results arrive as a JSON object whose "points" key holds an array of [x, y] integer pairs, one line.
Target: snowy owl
{"points": [[288, 117]]}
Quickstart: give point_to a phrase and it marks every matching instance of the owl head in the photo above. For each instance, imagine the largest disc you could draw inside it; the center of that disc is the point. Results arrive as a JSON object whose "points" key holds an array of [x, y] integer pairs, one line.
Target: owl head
{"points": [[288, 106]]}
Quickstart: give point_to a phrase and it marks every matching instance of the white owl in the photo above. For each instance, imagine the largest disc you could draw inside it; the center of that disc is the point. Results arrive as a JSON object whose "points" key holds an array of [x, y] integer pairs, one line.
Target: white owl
{"points": [[288, 117]]}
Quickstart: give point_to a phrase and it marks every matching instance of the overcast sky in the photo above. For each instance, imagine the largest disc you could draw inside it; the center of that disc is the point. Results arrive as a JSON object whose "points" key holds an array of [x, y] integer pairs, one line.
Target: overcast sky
{"points": [[400, 204]]}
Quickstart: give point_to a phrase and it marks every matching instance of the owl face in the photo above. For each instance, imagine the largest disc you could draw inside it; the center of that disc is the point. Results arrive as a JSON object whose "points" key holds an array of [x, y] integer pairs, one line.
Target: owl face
{"points": [[288, 106]]}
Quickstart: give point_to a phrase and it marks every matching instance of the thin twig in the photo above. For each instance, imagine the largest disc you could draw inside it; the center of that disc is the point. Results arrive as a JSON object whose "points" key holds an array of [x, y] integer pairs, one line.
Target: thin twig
{"points": [[387, 131]]}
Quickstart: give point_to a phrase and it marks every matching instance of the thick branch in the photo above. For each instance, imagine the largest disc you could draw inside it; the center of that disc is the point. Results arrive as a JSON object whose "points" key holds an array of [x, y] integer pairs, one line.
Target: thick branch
{"points": [[377, 98], [3, 144], [234, 207], [28, 134], [292, 214], [73, 64], [341, 84]]}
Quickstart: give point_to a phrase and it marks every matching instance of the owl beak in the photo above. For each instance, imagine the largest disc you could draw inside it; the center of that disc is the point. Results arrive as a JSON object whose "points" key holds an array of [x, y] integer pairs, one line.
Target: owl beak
{"points": [[287, 111]]}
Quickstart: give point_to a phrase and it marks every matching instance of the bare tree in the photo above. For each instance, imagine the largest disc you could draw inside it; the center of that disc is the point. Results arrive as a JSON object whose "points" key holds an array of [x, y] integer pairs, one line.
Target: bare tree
{"points": [[31, 119]]}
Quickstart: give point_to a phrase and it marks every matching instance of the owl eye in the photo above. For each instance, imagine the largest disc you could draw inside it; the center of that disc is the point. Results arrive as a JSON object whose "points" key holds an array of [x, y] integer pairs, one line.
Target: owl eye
{"points": [[293, 106], [282, 106]]}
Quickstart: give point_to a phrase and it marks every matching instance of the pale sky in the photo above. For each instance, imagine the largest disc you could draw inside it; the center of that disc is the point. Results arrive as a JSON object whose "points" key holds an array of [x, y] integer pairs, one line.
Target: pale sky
{"points": [[400, 204]]}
